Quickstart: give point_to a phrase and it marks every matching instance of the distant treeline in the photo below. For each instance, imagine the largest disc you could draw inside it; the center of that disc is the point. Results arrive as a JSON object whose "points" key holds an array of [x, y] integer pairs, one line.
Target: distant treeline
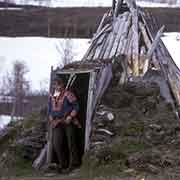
{"points": [[30, 104]]}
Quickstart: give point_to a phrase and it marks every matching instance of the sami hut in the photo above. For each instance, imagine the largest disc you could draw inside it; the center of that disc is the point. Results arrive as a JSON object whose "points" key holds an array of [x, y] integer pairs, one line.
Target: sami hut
{"points": [[127, 36]]}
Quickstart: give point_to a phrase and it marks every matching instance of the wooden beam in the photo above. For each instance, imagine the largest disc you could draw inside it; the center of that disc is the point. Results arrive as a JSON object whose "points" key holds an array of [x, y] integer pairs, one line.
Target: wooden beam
{"points": [[152, 49]]}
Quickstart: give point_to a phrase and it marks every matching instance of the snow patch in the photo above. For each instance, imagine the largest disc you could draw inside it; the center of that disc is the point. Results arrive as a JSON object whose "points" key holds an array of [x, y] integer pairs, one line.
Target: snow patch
{"points": [[88, 3], [172, 43], [4, 121], [153, 4]]}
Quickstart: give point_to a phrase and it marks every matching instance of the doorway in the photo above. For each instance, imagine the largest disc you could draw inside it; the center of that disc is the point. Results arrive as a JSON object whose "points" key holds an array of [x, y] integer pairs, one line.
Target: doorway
{"points": [[80, 88]]}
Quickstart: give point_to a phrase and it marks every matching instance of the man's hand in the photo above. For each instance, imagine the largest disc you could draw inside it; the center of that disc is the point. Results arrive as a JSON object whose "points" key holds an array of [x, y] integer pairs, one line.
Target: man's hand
{"points": [[50, 119], [68, 120], [56, 122]]}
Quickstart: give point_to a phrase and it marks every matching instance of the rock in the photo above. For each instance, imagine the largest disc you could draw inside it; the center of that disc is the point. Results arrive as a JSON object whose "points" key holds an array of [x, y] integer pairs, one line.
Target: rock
{"points": [[110, 116], [152, 169], [130, 171], [105, 131], [155, 126], [134, 159]]}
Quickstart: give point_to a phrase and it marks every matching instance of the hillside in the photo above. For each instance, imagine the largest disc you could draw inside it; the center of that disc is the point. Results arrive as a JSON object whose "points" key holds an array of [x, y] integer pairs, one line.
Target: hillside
{"points": [[145, 140]]}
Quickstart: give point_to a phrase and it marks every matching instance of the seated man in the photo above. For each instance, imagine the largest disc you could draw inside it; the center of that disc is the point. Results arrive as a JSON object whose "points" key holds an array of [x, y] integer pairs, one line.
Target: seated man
{"points": [[62, 111]]}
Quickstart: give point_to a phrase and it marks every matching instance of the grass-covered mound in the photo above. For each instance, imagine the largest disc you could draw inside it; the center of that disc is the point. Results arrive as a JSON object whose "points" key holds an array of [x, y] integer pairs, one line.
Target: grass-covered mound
{"points": [[145, 133], [20, 143]]}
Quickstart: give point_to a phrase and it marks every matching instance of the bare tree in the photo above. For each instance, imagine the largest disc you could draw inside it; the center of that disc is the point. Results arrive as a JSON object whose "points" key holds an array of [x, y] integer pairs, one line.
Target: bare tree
{"points": [[65, 49], [18, 87]]}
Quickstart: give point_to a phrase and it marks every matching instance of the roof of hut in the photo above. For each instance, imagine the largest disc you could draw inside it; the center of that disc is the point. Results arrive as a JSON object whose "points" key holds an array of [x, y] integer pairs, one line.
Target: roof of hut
{"points": [[130, 31]]}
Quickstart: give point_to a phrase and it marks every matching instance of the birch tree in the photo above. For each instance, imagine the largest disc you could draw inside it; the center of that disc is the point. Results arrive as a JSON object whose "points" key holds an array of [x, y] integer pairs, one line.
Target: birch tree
{"points": [[65, 49], [19, 87]]}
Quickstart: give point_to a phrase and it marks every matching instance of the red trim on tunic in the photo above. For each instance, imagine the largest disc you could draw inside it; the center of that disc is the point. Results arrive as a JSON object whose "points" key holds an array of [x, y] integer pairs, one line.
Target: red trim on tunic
{"points": [[57, 102]]}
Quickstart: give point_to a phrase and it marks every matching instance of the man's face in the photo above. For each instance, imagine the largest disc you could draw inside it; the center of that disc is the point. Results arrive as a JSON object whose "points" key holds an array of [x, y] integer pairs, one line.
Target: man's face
{"points": [[58, 86]]}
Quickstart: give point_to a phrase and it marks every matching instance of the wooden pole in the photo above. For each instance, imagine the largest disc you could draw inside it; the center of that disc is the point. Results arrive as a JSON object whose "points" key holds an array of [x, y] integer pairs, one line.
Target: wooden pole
{"points": [[135, 45], [118, 7], [50, 132], [152, 49]]}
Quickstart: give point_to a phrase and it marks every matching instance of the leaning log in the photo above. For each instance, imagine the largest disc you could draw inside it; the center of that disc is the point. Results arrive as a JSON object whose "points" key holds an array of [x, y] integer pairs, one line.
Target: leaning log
{"points": [[152, 49], [121, 20], [41, 159], [135, 43]]}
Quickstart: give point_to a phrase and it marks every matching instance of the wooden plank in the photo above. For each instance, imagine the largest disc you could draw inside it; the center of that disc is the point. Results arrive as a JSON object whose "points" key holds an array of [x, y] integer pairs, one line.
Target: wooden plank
{"points": [[50, 128], [155, 42], [89, 110], [91, 50], [104, 45], [124, 33], [146, 38], [121, 20], [124, 39], [142, 59], [175, 89], [152, 49], [111, 39], [113, 5], [118, 7], [102, 22], [100, 47], [41, 159], [131, 4], [135, 44]]}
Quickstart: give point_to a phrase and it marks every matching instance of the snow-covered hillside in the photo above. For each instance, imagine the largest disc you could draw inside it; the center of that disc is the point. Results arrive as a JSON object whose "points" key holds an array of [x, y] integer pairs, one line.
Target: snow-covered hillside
{"points": [[80, 3]]}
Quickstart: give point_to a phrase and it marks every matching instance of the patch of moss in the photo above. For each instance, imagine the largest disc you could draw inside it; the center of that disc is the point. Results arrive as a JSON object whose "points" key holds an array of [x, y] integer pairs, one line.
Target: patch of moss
{"points": [[12, 161], [111, 159], [31, 120], [107, 160], [132, 145], [6, 140], [135, 128]]}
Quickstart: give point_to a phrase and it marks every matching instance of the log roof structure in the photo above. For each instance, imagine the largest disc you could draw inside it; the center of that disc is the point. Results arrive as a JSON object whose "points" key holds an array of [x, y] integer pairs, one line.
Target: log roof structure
{"points": [[134, 37]]}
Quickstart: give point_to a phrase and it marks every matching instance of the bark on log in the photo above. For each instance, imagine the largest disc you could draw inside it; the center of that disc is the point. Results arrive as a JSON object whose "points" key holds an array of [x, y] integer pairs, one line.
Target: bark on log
{"points": [[175, 89], [41, 159], [152, 49], [100, 46], [124, 33], [90, 50], [131, 4], [142, 58], [124, 74], [118, 7], [121, 20], [146, 38], [101, 23], [135, 42], [112, 39]]}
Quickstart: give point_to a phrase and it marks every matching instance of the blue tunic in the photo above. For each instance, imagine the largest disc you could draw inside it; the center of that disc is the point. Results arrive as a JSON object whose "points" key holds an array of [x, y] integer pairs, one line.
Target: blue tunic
{"points": [[66, 108]]}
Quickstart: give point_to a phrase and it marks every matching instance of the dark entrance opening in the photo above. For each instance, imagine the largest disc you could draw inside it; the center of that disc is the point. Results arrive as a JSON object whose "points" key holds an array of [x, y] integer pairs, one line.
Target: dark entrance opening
{"points": [[80, 88]]}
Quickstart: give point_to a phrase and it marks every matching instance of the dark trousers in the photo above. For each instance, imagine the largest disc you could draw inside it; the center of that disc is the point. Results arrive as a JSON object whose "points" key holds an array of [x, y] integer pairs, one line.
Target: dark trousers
{"points": [[61, 134]]}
